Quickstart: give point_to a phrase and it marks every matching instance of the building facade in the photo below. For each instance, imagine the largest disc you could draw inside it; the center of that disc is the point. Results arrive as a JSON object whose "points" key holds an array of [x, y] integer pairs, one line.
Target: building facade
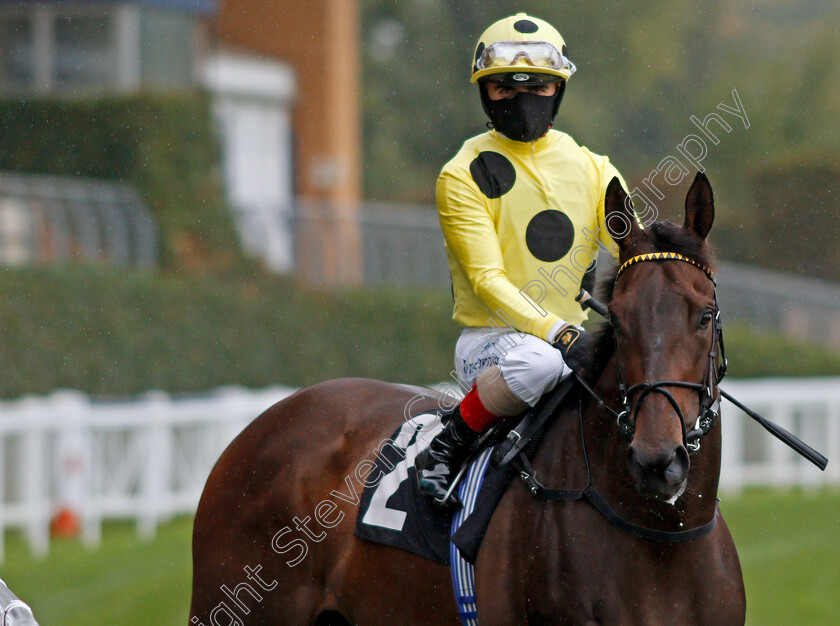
{"points": [[76, 48], [289, 129]]}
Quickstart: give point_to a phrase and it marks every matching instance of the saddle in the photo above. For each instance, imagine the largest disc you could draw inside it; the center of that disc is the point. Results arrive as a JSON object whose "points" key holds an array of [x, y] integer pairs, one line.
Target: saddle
{"points": [[393, 511]]}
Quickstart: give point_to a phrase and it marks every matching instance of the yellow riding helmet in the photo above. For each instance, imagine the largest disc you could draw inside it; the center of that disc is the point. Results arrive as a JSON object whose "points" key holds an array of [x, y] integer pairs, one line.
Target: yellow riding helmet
{"points": [[522, 50]]}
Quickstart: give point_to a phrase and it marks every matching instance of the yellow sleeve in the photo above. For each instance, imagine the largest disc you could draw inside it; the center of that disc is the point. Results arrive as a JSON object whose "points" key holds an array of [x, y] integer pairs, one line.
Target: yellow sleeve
{"points": [[470, 234]]}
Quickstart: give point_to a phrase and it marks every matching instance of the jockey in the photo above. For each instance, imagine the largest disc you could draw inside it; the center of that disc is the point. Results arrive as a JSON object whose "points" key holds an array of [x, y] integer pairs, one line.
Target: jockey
{"points": [[522, 212]]}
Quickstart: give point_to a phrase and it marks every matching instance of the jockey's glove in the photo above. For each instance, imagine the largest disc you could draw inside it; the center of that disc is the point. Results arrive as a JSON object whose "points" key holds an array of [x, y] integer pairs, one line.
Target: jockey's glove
{"points": [[576, 345]]}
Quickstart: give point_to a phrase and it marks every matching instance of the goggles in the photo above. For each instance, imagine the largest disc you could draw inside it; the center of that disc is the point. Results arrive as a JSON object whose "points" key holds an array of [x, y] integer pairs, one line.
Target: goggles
{"points": [[533, 56]]}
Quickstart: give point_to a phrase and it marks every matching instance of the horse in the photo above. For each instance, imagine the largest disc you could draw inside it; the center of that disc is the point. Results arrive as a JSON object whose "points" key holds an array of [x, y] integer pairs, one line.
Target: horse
{"points": [[259, 557]]}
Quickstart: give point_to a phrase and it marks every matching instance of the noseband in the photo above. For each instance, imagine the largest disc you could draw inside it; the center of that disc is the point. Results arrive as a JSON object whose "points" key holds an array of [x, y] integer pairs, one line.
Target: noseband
{"points": [[715, 371]]}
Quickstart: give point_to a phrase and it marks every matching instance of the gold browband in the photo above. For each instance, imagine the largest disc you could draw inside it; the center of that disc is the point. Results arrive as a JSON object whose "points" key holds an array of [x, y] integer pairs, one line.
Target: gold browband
{"points": [[663, 256]]}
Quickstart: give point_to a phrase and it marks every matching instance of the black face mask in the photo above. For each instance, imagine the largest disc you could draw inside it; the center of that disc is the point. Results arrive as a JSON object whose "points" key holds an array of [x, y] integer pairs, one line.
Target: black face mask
{"points": [[525, 117]]}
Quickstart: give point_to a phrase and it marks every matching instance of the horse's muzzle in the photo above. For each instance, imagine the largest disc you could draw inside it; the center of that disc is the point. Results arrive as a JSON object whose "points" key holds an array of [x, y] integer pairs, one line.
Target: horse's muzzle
{"points": [[659, 473]]}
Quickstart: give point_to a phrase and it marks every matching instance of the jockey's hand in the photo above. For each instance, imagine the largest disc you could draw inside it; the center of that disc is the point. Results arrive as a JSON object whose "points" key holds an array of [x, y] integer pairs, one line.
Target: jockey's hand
{"points": [[576, 345]]}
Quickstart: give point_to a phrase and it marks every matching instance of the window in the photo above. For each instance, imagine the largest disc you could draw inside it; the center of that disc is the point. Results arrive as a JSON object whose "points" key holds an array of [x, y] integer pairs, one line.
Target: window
{"points": [[17, 52], [93, 47], [84, 50], [167, 48]]}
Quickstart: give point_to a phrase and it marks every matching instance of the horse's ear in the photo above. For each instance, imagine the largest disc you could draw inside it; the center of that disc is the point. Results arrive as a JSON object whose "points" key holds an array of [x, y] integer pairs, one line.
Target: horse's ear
{"points": [[700, 206], [619, 216]]}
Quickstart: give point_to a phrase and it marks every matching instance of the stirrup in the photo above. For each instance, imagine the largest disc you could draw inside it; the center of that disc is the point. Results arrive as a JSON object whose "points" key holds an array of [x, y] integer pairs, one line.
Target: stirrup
{"points": [[450, 498]]}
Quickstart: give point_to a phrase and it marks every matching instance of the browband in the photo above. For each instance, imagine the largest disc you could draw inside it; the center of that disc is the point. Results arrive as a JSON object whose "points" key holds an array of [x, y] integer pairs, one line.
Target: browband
{"points": [[663, 256]]}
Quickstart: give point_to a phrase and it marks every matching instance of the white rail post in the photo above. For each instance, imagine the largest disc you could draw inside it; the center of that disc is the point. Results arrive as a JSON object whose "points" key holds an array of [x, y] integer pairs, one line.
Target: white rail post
{"points": [[732, 449], [813, 422], [157, 469], [78, 488], [832, 444], [70, 408], [783, 468], [95, 480], [3, 500], [235, 407], [33, 463]]}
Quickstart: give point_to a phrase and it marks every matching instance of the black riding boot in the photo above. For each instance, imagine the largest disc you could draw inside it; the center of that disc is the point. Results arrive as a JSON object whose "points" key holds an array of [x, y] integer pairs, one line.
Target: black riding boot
{"points": [[437, 465]]}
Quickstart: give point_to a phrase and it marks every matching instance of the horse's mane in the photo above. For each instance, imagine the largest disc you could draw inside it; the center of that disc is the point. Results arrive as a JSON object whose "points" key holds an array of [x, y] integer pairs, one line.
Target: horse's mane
{"points": [[661, 237], [670, 237]]}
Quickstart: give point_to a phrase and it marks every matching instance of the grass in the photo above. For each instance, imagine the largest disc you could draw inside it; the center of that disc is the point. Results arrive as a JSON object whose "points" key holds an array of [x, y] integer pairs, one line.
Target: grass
{"points": [[788, 542], [125, 582]]}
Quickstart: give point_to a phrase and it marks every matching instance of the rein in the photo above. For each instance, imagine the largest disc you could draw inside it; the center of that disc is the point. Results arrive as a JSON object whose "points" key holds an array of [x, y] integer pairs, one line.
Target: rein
{"points": [[708, 415], [528, 474]]}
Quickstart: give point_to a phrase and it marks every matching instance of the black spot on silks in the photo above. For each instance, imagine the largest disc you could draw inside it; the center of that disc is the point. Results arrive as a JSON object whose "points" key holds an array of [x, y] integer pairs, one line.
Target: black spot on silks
{"points": [[493, 174], [550, 235], [525, 26]]}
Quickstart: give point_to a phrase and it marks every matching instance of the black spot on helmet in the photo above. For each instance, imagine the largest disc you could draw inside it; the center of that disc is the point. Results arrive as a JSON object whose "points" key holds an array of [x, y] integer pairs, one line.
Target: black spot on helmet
{"points": [[525, 26]]}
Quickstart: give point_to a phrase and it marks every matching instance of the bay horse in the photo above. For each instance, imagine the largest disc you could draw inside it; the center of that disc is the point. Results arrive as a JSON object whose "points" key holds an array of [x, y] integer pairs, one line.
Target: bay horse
{"points": [[259, 557]]}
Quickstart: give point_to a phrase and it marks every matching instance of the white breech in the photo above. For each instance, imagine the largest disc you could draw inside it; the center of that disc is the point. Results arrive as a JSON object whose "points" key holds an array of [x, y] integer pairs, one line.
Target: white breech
{"points": [[529, 365]]}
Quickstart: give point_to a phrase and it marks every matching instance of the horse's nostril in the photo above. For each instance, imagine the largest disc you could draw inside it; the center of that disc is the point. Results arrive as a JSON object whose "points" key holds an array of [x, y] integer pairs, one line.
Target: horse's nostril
{"points": [[677, 468], [669, 467]]}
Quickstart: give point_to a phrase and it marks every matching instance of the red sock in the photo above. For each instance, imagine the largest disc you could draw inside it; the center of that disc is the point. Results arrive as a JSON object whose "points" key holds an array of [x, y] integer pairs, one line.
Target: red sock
{"points": [[476, 416]]}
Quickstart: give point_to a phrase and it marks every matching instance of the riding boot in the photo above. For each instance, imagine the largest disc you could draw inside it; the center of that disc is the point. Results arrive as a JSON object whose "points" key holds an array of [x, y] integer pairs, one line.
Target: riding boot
{"points": [[437, 465]]}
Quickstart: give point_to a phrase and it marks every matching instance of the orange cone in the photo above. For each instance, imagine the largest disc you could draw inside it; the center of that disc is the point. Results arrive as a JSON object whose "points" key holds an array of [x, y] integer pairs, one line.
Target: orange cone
{"points": [[65, 524]]}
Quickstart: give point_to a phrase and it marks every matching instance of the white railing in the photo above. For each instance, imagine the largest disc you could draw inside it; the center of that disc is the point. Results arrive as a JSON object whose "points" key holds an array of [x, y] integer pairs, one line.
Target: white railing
{"points": [[147, 459], [807, 407]]}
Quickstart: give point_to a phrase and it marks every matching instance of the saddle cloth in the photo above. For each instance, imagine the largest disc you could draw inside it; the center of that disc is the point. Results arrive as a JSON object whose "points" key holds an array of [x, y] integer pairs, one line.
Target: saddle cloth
{"points": [[394, 512]]}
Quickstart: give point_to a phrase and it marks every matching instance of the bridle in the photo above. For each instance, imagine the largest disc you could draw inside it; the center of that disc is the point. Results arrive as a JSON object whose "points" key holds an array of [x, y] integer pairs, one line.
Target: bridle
{"points": [[707, 390], [708, 414], [707, 417]]}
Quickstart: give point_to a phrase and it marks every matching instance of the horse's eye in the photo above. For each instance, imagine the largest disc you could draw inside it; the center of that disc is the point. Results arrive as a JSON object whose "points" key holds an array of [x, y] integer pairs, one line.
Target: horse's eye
{"points": [[706, 319]]}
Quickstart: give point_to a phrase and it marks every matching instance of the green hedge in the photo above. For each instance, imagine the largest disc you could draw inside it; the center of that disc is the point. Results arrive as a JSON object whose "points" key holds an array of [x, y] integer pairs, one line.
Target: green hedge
{"points": [[795, 203], [163, 144], [113, 333], [755, 353]]}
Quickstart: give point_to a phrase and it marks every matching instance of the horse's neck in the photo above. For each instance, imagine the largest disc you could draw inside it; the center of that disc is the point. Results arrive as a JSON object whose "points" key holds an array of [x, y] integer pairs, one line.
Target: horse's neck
{"points": [[610, 475]]}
